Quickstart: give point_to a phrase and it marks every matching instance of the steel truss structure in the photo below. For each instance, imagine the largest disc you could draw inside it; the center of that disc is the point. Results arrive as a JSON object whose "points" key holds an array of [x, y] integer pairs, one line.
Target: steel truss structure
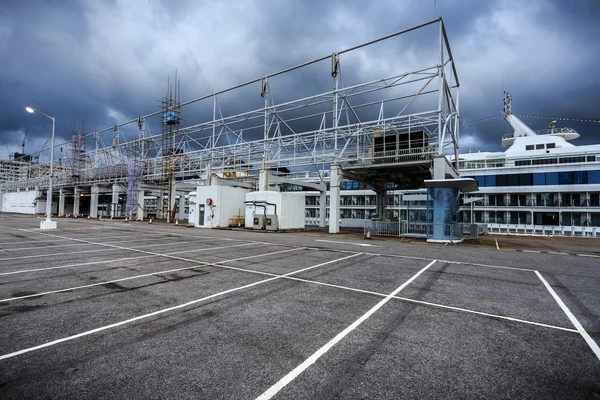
{"points": [[336, 126]]}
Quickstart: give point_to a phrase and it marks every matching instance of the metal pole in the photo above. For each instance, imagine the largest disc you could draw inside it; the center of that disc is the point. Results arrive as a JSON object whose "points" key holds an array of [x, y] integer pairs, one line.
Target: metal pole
{"points": [[441, 92], [49, 194], [472, 212]]}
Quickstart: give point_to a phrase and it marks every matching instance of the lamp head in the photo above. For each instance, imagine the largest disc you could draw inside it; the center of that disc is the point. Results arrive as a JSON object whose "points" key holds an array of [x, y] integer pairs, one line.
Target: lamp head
{"points": [[29, 109]]}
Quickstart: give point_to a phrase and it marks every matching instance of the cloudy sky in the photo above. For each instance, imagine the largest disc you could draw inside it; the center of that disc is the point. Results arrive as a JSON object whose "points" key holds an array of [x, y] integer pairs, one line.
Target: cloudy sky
{"points": [[108, 61]]}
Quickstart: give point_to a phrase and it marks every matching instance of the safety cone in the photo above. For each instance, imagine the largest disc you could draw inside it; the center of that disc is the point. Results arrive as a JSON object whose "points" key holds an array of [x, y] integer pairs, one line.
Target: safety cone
{"points": [[176, 221], [150, 221], [368, 233], [88, 217], [126, 219]]}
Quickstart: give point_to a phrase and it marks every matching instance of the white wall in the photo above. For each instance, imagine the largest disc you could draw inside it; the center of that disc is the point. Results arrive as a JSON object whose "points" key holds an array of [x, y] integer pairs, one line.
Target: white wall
{"points": [[21, 202], [227, 202], [289, 207]]}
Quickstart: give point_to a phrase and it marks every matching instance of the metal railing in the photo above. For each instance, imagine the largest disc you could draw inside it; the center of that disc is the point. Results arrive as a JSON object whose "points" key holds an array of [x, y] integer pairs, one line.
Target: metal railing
{"points": [[420, 229], [543, 230]]}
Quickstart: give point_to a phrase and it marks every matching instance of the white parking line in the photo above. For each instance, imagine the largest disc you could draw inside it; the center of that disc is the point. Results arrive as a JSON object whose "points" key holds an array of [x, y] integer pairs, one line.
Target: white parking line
{"points": [[40, 240], [437, 305], [200, 264], [451, 262], [95, 251], [593, 345], [166, 310], [112, 240], [273, 390], [25, 271], [342, 242]]}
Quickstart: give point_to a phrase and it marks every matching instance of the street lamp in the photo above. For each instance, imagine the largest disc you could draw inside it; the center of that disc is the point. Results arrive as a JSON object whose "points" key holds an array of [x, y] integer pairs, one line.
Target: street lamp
{"points": [[48, 223]]}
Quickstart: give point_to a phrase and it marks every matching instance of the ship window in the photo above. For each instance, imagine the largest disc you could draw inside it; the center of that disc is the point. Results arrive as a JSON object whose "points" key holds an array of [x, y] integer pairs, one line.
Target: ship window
{"points": [[539, 179], [544, 161], [490, 180], [513, 180], [580, 177], [480, 180], [593, 176], [564, 160], [550, 145], [591, 158], [525, 179], [520, 163], [551, 178], [565, 178], [501, 180], [529, 147], [539, 146]]}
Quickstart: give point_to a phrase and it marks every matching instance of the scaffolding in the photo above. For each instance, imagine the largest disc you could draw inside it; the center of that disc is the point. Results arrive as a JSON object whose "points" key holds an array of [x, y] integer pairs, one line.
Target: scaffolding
{"points": [[262, 125], [171, 121], [78, 151]]}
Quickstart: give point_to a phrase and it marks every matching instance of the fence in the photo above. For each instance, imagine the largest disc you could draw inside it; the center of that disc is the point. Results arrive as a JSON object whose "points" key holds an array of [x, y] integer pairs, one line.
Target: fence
{"points": [[459, 230], [420, 229], [544, 230]]}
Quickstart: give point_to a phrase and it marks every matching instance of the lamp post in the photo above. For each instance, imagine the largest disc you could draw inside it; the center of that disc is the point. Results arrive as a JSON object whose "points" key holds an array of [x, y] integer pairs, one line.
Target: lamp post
{"points": [[48, 223]]}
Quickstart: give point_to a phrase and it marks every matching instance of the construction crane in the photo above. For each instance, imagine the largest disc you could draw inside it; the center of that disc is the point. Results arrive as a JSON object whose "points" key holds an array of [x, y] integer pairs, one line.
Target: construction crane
{"points": [[39, 153], [23, 143], [7, 150]]}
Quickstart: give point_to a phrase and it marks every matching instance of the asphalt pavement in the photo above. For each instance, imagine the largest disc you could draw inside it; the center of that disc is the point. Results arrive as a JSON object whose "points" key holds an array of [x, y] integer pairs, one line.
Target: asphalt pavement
{"points": [[114, 310]]}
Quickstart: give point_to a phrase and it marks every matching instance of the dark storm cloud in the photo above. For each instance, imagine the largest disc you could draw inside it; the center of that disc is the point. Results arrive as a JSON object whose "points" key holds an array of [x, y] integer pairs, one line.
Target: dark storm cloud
{"points": [[107, 61]]}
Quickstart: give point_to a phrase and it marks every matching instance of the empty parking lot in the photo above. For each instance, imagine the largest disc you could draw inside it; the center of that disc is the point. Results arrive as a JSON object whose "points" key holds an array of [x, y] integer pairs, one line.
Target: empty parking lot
{"points": [[104, 309]]}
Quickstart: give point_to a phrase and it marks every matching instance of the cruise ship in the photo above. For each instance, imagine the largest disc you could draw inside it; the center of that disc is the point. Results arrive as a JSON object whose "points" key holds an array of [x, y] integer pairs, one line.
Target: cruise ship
{"points": [[541, 184]]}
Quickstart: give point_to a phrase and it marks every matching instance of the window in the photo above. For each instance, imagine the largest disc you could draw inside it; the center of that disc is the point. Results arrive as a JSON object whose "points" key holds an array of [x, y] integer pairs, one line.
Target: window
{"points": [[490, 180], [565, 178], [551, 178], [580, 177], [529, 147], [550, 145], [501, 180], [591, 158], [480, 181], [522, 162], [564, 160], [525, 179], [539, 179], [513, 180], [593, 176], [544, 161], [539, 146]]}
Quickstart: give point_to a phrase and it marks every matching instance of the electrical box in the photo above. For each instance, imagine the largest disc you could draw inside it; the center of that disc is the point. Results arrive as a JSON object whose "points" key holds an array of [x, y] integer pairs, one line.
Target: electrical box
{"points": [[289, 207], [215, 205], [272, 223], [259, 222]]}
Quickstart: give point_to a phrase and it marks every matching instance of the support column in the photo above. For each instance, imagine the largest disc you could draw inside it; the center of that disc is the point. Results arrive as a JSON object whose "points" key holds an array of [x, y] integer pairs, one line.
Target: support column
{"points": [[263, 180], [94, 202], [322, 209], [61, 202], [380, 203], [334, 199], [139, 207], [76, 196], [181, 213], [115, 201], [171, 216]]}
